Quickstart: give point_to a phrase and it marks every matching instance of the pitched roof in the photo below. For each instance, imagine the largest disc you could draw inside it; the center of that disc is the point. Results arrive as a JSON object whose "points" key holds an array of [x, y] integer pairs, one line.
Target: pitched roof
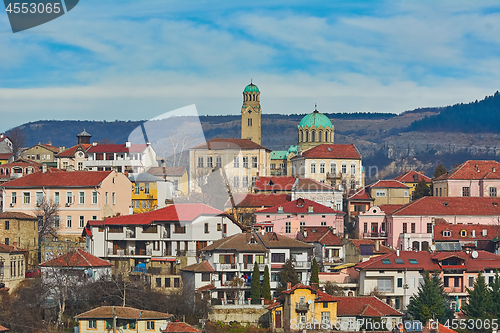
{"points": [[117, 148], [180, 327], [77, 258], [10, 249], [308, 184], [49, 147], [203, 266], [299, 206], [231, 143], [144, 177], [60, 179], [274, 183], [186, 212], [387, 262], [255, 242], [410, 175], [71, 151], [389, 208], [21, 163], [387, 184], [2, 328], [17, 215], [320, 295], [122, 313], [210, 286], [167, 171], [475, 170], [259, 200], [364, 306], [444, 206], [492, 231], [361, 194], [334, 151], [382, 249], [322, 235], [5, 156]]}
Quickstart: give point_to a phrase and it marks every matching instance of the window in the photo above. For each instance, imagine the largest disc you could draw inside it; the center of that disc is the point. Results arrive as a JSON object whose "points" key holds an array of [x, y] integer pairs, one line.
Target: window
{"points": [[447, 233], [6, 241], [92, 324], [386, 261], [313, 167], [14, 198], [397, 303], [400, 282], [80, 166], [114, 198], [323, 223], [205, 276], [471, 281], [288, 227], [56, 221], [463, 233], [344, 168], [399, 261], [236, 181], [249, 122], [200, 162], [413, 228], [69, 198], [219, 227], [407, 193], [150, 325], [151, 229], [380, 193], [365, 227], [245, 162], [136, 187], [26, 198], [412, 282], [7, 225], [82, 198], [277, 257], [146, 189], [466, 191], [82, 221], [254, 162], [405, 228], [429, 228], [353, 169], [39, 198], [218, 162], [493, 191], [167, 282], [178, 229], [325, 316], [384, 285], [322, 168], [68, 221], [333, 168], [259, 258], [335, 252], [210, 163], [244, 182], [177, 282], [94, 198], [236, 162], [413, 261], [206, 228]]}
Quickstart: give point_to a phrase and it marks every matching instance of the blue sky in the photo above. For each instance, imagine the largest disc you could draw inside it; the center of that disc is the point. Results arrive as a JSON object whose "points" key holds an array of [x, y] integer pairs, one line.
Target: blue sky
{"points": [[119, 59]]}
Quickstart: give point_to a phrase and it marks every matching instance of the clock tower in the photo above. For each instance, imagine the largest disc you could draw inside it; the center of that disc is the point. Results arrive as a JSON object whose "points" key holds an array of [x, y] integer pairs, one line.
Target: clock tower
{"points": [[250, 114]]}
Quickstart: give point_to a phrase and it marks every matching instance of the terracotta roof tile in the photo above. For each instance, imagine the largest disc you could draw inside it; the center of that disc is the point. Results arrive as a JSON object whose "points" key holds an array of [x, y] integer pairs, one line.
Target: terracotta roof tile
{"points": [[210, 286], [59, 179], [409, 177], [231, 143], [387, 262], [117, 148], [361, 194], [167, 171], [368, 306], [274, 184], [203, 266], [300, 206], [333, 151], [122, 313], [77, 258], [322, 235], [255, 242], [50, 147], [10, 249], [389, 208], [492, 231], [308, 184], [17, 215], [382, 249], [472, 169], [443, 206], [5, 156], [259, 200], [388, 184], [181, 327], [3, 329], [71, 151]]}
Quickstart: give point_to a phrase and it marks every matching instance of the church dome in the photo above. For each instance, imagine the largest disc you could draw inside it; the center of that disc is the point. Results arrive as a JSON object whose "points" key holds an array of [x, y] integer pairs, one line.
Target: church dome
{"points": [[316, 119], [251, 88]]}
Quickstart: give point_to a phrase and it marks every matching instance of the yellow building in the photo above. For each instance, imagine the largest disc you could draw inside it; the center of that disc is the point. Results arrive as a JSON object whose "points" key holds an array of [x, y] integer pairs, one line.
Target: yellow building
{"points": [[315, 129], [149, 193], [12, 266], [389, 192], [42, 153], [301, 307], [412, 178], [177, 175], [21, 230], [251, 114]]}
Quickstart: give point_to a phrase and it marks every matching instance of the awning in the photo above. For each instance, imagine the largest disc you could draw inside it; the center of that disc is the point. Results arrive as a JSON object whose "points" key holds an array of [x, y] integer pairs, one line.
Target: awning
{"points": [[344, 266], [163, 259]]}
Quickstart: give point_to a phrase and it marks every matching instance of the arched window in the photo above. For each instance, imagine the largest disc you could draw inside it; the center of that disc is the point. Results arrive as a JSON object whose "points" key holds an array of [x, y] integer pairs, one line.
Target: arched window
{"points": [[353, 184], [313, 136], [322, 167], [331, 138], [313, 167], [320, 136], [333, 168], [301, 136], [344, 168], [353, 169], [307, 136]]}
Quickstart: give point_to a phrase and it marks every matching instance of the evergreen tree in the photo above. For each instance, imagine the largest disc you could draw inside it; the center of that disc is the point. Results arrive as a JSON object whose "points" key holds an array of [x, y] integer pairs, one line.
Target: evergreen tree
{"points": [[439, 170], [480, 305], [495, 295], [421, 190], [255, 285], [314, 272], [266, 285], [287, 274], [431, 301]]}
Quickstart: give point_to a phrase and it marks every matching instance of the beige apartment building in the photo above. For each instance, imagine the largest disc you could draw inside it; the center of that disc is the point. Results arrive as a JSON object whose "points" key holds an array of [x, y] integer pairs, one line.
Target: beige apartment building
{"points": [[42, 153], [20, 230], [81, 196], [389, 192]]}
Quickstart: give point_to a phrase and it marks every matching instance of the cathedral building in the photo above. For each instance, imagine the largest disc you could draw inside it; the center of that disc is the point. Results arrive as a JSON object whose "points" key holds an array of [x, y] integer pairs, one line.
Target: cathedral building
{"points": [[314, 129], [250, 114]]}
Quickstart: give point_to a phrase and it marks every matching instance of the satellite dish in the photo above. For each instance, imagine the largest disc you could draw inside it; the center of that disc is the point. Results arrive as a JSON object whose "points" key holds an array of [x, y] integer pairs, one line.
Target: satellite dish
{"points": [[163, 327], [433, 247], [475, 254]]}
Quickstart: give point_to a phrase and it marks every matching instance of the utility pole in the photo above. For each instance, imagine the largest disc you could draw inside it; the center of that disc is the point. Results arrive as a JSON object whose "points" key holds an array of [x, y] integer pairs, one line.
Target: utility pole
{"points": [[114, 319]]}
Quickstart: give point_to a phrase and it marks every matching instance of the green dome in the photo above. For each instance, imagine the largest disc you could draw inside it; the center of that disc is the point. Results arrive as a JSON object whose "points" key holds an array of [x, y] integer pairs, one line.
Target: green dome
{"points": [[251, 88], [315, 119], [292, 149]]}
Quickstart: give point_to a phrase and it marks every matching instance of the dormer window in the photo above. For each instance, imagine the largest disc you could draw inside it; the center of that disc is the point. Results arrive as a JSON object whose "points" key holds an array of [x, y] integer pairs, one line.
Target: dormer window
{"points": [[310, 209], [463, 233], [252, 241], [280, 209], [447, 233], [300, 202]]}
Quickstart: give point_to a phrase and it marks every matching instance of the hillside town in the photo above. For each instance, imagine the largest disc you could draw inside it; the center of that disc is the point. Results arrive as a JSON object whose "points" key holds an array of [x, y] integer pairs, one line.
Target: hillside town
{"points": [[109, 237]]}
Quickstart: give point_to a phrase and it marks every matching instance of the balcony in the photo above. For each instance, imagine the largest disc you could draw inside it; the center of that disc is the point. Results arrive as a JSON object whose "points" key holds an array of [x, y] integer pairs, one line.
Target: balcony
{"points": [[186, 253], [301, 306], [330, 175], [368, 235], [332, 260], [225, 267], [127, 253], [249, 267], [302, 264]]}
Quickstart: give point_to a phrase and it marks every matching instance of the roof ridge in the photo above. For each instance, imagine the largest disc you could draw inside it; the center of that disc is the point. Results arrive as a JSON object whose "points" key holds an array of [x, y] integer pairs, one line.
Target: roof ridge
{"points": [[81, 255]]}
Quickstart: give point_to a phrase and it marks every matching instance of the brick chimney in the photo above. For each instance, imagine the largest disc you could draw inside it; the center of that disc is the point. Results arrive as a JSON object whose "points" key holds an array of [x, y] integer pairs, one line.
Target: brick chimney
{"points": [[315, 286]]}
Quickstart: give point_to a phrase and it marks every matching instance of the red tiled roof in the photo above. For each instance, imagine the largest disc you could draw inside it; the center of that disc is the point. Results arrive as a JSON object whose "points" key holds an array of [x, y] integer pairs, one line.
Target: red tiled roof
{"points": [[473, 170], [71, 151], [322, 235], [332, 151], [388, 183], [361, 194], [167, 171], [484, 260], [492, 231], [408, 177], [5, 156], [117, 148], [2, 328], [389, 208], [60, 179], [274, 183], [256, 242], [122, 313], [382, 249], [231, 143], [368, 306], [21, 163], [180, 327], [203, 266], [50, 147], [300, 206], [424, 262], [210, 286], [76, 258], [179, 212], [308, 184], [17, 215], [444, 206], [10, 249], [259, 200]]}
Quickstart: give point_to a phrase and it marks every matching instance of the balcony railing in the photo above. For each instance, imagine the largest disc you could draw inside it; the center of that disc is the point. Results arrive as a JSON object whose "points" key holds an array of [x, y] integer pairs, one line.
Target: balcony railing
{"points": [[330, 175], [225, 267], [136, 252], [249, 267], [382, 234], [301, 307], [184, 253], [302, 264]]}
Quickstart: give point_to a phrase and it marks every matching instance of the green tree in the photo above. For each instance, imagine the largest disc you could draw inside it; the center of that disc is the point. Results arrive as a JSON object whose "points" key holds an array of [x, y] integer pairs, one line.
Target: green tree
{"points": [[287, 274], [495, 295], [431, 301], [255, 285], [266, 285], [480, 305], [421, 190], [439, 170], [314, 272], [333, 289]]}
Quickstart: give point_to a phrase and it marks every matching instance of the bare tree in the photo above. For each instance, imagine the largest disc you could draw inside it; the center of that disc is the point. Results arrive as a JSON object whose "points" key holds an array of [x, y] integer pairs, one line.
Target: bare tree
{"points": [[47, 211], [18, 138]]}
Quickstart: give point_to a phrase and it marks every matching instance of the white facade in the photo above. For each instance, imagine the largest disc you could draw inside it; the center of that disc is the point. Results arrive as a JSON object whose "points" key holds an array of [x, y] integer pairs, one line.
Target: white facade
{"points": [[132, 161]]}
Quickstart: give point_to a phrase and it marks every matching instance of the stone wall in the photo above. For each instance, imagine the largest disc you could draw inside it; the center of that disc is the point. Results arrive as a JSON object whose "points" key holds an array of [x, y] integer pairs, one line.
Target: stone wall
{"points": [[243, 314]]}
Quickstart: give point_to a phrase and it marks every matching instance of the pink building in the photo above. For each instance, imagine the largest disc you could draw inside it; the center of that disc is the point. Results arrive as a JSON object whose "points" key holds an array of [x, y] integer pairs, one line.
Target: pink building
{"points": [[288, 218], [469, 179], [81, 196], [410, 227]]}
